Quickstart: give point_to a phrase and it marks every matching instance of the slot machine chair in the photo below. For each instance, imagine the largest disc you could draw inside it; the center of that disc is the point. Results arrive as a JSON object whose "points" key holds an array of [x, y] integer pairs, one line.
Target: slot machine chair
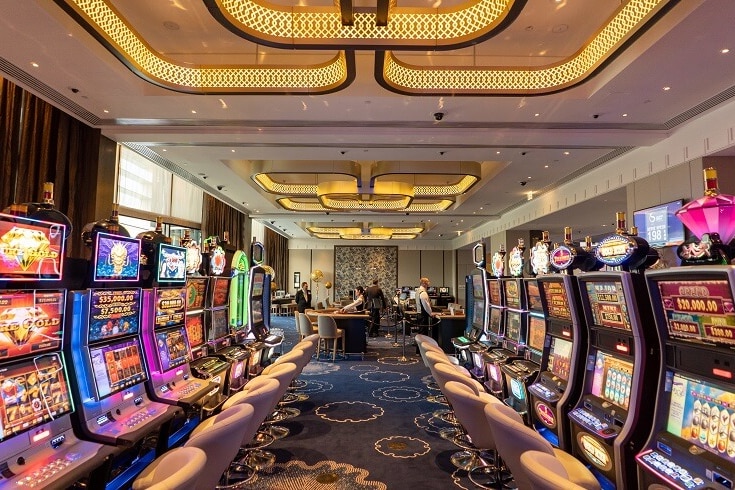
{"points": [[440, 355], [262, 394], [545, 472], [220, 437], [306, 325], [284, 373], [514, 438], [480, 457], [327, 329], [299, 355], [177, 469]]}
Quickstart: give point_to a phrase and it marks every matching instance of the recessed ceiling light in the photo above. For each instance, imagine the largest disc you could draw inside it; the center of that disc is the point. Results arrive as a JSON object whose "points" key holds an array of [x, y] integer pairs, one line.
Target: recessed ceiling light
{"points": [[667, 88], [233, 151], [497, 153], [724, 51], [625, 114], [566, 153], [34, 64], [105, 111], [193, 112], [536, 115], [164, 149], [546, 166]]}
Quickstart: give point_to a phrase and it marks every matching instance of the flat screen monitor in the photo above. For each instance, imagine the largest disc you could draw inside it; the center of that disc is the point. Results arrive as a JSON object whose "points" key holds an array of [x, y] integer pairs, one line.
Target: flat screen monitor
{"points": [[493, 287], [30, 250], [557, 301], [172, 348], [256, 311], [219, 292], [431, 290], [699, 310], [116, 258], [170, 306], [513, 326], [536, 333], [607, 304], [512, 292], [196, 293], [116, 366], [443, 290], [113, 313], [495, 325], [702, 414], [33, 392], [560, 357], [612, 379], [534, 295], [171, 264], [195, 329], [31, 322], [478, 288], [659, 224], [478, 314], [217, 324], [256, 286], [406, 289]]}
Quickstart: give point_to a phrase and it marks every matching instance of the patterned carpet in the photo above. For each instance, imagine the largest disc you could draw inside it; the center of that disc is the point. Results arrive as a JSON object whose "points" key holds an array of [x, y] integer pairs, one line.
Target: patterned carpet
{"points": [[366, 425]]}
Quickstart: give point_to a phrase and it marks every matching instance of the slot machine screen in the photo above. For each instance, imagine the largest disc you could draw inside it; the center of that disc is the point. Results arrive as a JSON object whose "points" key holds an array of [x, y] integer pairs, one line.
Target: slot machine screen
{"points": [[517, 388], [31, 322], [513, 328], [256, 310], [431, 290], [493, 287], [534, 296], [704, 415], [560, 356], [116, 366], [496, 320], [170, 306], [195, 330], [607, 304], [478, 314], [113, 313], [171, 263], [256, 288], [218, 324], [478, 288], [699, 310], [30, 250], [116, 258], [536, 333], [33, 392], [219, 292], [557, 301], [512, 294], [196, 292], [172, 348], [612, 379]]}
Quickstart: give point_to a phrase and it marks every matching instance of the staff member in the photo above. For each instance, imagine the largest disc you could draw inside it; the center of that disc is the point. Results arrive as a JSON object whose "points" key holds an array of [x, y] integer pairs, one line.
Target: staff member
{"points": [[375, 302], [423, 308], [358, 304], [303, 297]]}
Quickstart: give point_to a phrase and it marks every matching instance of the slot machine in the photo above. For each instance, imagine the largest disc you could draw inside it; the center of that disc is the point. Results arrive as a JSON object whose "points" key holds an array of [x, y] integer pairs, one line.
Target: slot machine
{"points": [[166, 341], [692, 441], [515, 319], [519, 374], [263, 341], [494, 337], [611, 420], [558, 385], [38, 446], [108, 368], [476, 317]]}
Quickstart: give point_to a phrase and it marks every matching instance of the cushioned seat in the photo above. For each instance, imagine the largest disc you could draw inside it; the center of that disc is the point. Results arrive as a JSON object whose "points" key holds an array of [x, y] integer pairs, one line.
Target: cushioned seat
{"points": [[177, 469], [327, 329], [284, 373], [514, 438], [546, 472], [306, 327]]}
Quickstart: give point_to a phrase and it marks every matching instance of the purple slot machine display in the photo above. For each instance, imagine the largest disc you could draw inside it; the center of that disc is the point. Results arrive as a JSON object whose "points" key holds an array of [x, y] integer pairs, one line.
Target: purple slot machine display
{"points": [[515, 320], [109, 368], [519, 374], [559, 383], [612, 418], [38, 446], [692, 441]]}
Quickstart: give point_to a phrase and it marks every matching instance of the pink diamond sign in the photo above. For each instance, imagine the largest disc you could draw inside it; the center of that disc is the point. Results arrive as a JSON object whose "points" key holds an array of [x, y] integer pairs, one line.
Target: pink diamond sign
{"points": [[710, 214]]}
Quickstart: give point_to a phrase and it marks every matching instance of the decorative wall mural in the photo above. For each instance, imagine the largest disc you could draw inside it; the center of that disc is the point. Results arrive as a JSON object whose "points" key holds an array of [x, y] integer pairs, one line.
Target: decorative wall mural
{"points": [[358, 266]]}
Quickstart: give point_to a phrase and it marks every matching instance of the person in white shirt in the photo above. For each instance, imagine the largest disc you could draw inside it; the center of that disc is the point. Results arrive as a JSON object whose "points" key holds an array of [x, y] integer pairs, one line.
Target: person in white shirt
{"points": [[358, 304], [423, 307]]}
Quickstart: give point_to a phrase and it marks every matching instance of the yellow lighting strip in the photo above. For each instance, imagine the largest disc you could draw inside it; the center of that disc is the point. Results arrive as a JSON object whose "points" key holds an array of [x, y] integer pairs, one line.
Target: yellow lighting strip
{"points": [[455, 189], [353, 233], [313, 206], [270, 185], [105, 23], [307, 27], [414, 79]]}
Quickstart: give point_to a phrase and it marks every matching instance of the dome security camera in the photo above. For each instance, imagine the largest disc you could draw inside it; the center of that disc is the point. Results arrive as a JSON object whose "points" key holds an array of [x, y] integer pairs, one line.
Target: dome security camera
{"points": [[523, 182], [438, 116], [220, 187]]}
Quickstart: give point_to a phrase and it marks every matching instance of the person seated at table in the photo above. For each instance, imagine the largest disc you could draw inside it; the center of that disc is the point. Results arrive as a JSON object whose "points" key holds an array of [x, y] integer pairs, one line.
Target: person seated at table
{"points": [[358, 304]]}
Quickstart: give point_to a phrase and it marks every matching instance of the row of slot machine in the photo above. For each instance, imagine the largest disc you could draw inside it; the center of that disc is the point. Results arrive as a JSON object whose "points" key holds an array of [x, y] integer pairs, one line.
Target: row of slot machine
{"points": [[629, 371], [103, 368]]}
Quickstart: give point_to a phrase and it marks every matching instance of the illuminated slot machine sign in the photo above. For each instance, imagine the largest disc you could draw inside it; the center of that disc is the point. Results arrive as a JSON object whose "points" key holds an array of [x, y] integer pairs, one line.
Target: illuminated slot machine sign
{"points": [[495, 323], [607, 304], [536, 336], [479, 300], [514, 299], [494, 291], [171, 340], [217, 325], [257, 318], [514, 328], [557, 300], [533, 296], [116, 259], [30, 250], [218, 294], [196, 294], [171, 264]]}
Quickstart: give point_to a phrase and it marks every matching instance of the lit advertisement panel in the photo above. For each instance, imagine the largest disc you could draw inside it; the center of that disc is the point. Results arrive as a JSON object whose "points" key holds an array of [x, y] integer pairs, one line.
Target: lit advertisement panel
{"points": [[30, 250], [496, 320], [700, 310], [32, 392], [219, 325], [31, 322], [534, 296], [513, 326], [560, 357], [195, 330], [612, 379], [196, 292], [170, 306], [116, 258], [219, 292], [171, 263], [113, 313], [557, 301], [512, 294], [172, 348], [607, 302], [536, 333], [117, 366], [494, 291]]}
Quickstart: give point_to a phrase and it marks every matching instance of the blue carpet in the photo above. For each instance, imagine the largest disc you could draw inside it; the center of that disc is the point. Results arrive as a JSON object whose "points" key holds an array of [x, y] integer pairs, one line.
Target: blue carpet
{"points": [[366, 425]]}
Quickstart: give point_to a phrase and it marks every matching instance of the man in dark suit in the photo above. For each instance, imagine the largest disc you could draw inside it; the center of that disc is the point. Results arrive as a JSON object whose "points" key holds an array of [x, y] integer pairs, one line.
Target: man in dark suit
{"points": [[303, 297], [375, 303]]}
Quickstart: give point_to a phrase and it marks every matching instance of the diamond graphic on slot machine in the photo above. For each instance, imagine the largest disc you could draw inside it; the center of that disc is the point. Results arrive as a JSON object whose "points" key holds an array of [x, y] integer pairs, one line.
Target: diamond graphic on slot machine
{"points": [[18, 324], [25, 246]]}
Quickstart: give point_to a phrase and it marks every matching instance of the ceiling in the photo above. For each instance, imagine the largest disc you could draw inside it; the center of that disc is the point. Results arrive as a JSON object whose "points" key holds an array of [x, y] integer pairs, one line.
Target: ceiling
{"points": [[525, 138]]}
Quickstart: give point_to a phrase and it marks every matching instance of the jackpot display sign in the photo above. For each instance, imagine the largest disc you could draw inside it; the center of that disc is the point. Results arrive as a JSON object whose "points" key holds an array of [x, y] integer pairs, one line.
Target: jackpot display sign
{"points": [[170, 306], [607, 304], [219, 291], [557, 301], [30, 250], [699, 310], [30, 322], [196, 293], [113, 313]]}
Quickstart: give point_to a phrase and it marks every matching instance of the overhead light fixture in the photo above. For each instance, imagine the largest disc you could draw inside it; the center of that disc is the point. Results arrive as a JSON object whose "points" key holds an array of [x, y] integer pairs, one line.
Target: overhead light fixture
{"points": [[371, 233]]}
